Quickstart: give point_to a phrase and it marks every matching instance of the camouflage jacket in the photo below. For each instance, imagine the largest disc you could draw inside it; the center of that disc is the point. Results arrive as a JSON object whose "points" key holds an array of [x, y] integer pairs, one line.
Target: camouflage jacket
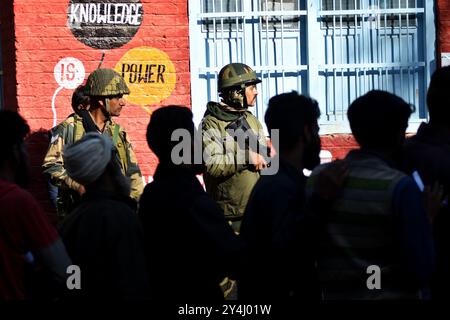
{"points": [[227, 180], [71, 130]]}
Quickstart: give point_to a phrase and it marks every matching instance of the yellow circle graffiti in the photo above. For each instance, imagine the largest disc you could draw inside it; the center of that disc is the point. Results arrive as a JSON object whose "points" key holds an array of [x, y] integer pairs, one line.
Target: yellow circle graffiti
{"points": [[149, 73]]}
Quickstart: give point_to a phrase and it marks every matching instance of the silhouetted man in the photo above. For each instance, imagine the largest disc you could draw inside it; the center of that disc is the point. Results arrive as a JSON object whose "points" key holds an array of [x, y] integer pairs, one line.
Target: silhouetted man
{"points": [[189, 244], [428, 152], [103, 234], [275, 225], [26, 235], [376, 240]]}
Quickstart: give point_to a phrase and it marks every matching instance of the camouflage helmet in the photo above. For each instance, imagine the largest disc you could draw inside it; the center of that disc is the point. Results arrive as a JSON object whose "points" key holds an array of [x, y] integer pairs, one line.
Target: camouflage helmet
{"points": [[235, 75], [104, 83]]}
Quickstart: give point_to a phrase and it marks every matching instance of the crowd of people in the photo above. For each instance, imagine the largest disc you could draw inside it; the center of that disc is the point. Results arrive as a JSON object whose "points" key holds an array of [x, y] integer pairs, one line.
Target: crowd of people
{"points": [[356, 228]]}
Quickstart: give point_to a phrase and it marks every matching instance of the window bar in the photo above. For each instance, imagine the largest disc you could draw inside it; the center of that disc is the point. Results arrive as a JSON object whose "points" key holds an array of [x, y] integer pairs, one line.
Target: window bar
{"points": [[333, 48], [267, 53], [363, 47], [386, 70], [342, 61], [256, 6], [327, 84], [216, 58], [379, 49], [260, 32], [348, 58], [222, 36], [370, 53], [333, 52], [238, 58], [400, 49], [407, 53], [299, 54], [244, 47], [282, 46], [356, 52], [415, 59]]}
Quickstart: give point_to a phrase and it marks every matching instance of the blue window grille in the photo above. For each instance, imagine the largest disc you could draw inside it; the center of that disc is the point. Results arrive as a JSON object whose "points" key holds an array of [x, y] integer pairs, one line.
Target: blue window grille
{"points": [[333, 50]]}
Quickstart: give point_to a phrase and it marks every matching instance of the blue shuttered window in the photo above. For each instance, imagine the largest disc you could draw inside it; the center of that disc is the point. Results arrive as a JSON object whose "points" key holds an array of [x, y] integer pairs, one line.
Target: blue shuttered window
{"points": [[333, 50]]}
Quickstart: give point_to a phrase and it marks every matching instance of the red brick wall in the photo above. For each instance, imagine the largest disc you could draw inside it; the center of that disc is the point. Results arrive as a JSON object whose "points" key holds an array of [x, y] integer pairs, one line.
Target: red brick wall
{"points": [[43, 38], [443, 25], [8, 54], [338, 144]]}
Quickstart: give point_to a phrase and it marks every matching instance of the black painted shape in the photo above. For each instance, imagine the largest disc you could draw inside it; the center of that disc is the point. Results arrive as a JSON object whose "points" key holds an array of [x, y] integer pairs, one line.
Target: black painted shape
{"points": [[106, 24]]}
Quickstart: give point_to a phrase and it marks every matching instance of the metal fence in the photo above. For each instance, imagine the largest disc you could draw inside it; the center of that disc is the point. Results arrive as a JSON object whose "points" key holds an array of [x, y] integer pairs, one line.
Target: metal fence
{"points": [[334, 50]]}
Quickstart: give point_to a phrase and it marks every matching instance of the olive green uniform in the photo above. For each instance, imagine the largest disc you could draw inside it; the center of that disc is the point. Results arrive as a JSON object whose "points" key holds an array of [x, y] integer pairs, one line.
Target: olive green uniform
{"points": [[70, 131], [229, 177], [227, 181]]}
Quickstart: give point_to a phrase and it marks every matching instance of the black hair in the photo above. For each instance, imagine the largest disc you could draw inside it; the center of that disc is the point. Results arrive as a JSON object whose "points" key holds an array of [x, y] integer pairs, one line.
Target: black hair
{"points": [[13, 130], [377, 117], [162, 123], [290, 113], [79, 97], [438, 96]]}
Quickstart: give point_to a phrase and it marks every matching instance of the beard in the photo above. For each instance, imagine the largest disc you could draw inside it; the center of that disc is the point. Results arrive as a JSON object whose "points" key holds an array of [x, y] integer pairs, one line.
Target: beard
{"points": [[311, 157]]}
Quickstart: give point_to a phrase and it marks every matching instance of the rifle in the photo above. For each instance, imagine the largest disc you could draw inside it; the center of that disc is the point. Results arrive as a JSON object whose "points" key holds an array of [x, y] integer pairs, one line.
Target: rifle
{"points": [[251, 142]]}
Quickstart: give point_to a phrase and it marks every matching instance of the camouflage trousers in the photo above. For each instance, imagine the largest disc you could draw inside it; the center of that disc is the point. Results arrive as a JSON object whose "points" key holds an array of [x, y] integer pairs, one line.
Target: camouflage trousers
{"points": [[228, 286], [229, 289]]}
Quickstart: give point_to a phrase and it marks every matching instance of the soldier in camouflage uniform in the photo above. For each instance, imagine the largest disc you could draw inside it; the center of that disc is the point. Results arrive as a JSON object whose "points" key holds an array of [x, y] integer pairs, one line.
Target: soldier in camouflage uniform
{"points": [[228, 180], [80, 105], [106, 88]]}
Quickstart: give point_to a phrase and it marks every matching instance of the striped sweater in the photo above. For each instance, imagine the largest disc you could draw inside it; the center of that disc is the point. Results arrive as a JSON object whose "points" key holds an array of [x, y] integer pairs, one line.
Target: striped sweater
{"points": [[362, 229]]}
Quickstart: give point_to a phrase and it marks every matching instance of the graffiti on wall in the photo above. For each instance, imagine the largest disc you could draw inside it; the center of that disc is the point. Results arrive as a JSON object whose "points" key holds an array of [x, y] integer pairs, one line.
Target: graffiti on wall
{"points": [[104, 24], [69, 73], [150, 75]]}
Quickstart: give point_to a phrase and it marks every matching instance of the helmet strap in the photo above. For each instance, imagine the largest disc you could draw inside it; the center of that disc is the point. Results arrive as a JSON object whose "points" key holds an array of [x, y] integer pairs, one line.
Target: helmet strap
{"points": [[235, 99], [245, 99], [107, 107]]}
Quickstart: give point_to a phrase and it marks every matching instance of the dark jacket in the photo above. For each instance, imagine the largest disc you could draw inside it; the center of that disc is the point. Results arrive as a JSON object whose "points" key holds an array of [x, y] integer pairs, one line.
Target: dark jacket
{"points": [[103, 236], [428, 152], [274, 225], [188, 242]]}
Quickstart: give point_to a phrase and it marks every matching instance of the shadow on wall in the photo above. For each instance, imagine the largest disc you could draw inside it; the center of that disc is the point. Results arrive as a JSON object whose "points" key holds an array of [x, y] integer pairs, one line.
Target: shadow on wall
{"points": [[8, 54], [37, 144]]}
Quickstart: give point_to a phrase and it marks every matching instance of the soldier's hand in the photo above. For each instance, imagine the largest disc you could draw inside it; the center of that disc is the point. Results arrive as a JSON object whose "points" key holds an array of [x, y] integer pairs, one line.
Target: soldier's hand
{"points": [[81, 190], [330, 180], [257, 160]]}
